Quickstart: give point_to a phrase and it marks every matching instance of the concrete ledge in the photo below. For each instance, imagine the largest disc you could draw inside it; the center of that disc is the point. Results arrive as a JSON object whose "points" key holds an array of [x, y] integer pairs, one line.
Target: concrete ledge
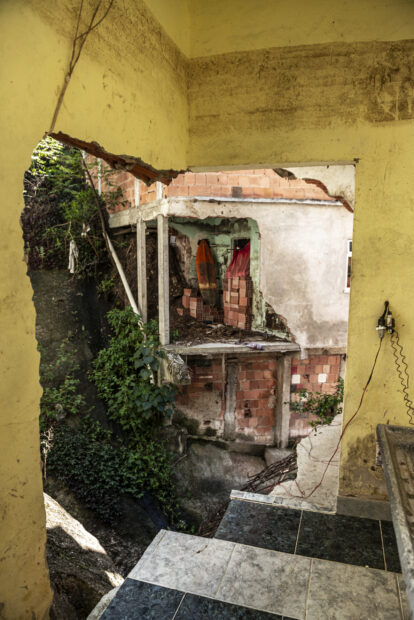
{"points": [[365, 508], [218, 348], [285, 502]]}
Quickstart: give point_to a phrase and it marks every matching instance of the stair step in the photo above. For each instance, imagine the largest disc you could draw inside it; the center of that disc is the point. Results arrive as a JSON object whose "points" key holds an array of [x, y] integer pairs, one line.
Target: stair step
{"points": [[339, 538], [252, 580]]}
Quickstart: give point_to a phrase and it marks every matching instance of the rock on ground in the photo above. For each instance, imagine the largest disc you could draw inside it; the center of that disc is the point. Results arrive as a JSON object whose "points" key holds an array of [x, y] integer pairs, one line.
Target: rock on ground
{"points": [[82, 568], [208, 473]]}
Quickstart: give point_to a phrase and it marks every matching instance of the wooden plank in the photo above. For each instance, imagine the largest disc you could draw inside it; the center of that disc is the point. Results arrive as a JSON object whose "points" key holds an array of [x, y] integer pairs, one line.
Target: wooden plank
{"points": [[163, 280], [282, 410], [142, 270]]}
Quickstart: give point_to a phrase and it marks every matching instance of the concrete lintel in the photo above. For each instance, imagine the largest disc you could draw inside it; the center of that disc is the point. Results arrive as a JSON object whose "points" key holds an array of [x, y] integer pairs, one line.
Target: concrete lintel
{"points": [[219, 348], [202, 206], [163, 280]]}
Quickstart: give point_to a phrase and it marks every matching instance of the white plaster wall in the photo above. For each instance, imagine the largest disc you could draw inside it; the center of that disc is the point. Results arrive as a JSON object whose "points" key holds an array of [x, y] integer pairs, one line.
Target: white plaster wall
{"points": [[302, 270], [303, 251]]}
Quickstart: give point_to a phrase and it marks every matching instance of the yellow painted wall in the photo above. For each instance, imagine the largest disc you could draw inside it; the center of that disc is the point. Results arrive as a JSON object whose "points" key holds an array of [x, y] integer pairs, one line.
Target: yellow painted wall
{"points": [[219, 27], [316, 94], [129, 94], [332, 103], [175, 19]]}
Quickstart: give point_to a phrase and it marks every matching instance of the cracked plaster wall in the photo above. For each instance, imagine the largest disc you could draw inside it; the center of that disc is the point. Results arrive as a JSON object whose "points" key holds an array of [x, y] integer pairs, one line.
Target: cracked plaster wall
{"points": [[298, 256]]}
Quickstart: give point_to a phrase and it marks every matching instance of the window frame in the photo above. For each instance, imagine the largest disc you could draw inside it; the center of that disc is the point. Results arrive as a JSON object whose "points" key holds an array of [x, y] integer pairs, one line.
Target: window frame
{"points": [[348, 266]]}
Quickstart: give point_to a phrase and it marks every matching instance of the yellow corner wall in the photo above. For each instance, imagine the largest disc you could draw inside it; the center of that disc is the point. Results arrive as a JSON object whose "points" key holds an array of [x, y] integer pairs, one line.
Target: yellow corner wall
{"points": [[175, 19], [129, 93], [332, 103], [219, 27], [273, 87]]}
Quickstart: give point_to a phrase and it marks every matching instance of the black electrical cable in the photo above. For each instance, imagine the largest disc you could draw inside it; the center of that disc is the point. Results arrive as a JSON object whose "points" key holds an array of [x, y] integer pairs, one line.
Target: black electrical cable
{"points": [[306, 496], [402, 371]]}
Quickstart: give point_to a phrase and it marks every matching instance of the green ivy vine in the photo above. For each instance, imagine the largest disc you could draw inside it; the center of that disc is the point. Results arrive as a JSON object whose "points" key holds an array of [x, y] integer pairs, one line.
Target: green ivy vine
{"points": [[102, 464], [125, 374]]}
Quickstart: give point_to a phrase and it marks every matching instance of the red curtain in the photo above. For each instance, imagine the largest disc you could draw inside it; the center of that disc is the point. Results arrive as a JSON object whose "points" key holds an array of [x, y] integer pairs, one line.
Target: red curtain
{"points": [[240, 263], [206, 273]]}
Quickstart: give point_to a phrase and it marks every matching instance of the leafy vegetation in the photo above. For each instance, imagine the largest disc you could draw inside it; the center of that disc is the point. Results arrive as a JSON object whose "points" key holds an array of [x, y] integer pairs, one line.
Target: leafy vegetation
{"points": [[125, 374], [60, 207], [324, 406], [100, 470], [60, 389], [100, 464]]}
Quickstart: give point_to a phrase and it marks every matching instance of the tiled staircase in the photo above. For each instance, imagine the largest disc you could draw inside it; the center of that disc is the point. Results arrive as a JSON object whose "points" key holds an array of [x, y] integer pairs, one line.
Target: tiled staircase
{"points": [[268, 562]]}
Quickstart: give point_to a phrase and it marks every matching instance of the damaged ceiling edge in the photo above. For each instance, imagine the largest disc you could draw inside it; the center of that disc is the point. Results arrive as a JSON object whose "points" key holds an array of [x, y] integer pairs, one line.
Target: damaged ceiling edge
{"points": [[342, 191], [134, 165], [338, 198]]}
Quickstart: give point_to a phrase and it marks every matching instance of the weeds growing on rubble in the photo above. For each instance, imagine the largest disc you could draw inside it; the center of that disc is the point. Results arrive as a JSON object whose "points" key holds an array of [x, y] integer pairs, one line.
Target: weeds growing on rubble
{"points": [[324, 406]]}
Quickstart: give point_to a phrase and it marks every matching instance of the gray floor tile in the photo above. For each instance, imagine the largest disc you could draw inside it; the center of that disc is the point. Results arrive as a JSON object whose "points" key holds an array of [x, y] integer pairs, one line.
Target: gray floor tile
{"points": [[266, 580], [345, 592], [268, 527], [341, 539], [147, 554], [136, 599], [187, 563], [196, 607]]}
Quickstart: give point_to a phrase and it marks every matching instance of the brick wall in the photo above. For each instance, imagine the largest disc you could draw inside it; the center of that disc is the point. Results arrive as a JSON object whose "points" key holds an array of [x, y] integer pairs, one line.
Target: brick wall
{"points": [[243, 184], [196, 307], [316, 373], [236, 183], [255, 398], [237, 302]]}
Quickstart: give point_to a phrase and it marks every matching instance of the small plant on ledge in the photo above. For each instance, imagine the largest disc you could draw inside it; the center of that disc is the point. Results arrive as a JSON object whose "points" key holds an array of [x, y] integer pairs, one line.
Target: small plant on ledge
{"points": [[324, 406]]}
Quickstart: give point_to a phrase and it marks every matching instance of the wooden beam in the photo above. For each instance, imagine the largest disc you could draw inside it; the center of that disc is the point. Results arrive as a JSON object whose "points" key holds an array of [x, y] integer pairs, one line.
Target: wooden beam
{"points": [[282, 410], [142, 270], [163, 280]]}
